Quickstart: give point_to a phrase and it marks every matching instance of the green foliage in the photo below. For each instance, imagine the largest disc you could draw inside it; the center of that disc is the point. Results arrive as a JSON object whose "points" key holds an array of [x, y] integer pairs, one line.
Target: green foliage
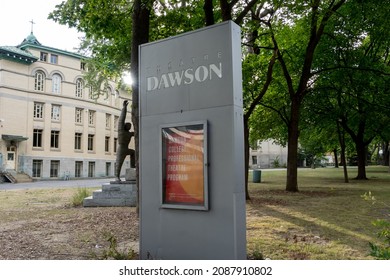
{"points": [[78, 197], [380, 251], [256, 254], [113, 253], [276, 162]]}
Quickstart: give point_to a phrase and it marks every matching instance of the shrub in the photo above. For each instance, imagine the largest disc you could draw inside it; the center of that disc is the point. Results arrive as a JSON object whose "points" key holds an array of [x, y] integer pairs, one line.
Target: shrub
{"points": [[78, 197], [380, 251], [113, 253]]}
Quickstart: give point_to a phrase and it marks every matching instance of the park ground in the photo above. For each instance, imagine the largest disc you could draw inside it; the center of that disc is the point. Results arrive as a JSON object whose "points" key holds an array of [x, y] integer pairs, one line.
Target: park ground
{"points": [[326, 219]]}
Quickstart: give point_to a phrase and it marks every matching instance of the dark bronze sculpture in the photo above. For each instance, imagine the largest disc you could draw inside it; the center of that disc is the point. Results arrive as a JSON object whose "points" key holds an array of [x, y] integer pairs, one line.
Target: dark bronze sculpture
{"points": [[124, 137]]}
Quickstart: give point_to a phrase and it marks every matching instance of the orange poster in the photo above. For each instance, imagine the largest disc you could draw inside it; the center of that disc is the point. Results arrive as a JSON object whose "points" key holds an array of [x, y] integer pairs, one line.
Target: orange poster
{"points": [[183, 165]]}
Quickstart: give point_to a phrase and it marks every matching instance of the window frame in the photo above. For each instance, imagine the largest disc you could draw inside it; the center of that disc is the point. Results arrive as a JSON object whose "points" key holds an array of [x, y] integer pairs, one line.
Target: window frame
{"points": [[53, 58], [37, 165], [55, 112], [38, 138], [79, 90], [78, 140], [39, 81], [56, 81], [91, 138], [54, 139], [54, 168], [39, 108], [78, 116]]}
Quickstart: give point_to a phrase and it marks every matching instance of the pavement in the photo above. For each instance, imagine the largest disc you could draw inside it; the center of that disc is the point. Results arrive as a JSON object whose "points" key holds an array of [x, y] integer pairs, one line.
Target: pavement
{"points": [[50, 184], [56, 184]]}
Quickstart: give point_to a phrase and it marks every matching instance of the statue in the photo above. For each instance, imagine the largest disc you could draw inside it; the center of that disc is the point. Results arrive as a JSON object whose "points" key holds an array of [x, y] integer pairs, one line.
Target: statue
{"points": [[124, 137]]}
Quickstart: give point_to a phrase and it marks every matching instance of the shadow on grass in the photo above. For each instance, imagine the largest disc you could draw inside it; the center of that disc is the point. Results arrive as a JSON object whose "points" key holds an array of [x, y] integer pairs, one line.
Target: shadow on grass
{"points": [[325, 212]]}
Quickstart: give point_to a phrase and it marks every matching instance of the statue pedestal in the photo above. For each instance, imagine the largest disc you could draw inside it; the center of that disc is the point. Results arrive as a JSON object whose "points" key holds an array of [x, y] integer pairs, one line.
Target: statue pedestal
{"points": [[130, 174], [113, 194]]}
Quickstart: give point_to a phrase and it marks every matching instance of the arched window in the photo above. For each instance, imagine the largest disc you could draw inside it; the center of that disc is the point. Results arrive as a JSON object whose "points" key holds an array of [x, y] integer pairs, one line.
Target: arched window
{"points": [[109, 95], [79, 88], [56, 83], [39, 81]]}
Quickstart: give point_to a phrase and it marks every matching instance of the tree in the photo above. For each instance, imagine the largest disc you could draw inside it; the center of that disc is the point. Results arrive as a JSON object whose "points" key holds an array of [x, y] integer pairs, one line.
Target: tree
{"points": [[114, 29], [354, 74], [295, 31]]}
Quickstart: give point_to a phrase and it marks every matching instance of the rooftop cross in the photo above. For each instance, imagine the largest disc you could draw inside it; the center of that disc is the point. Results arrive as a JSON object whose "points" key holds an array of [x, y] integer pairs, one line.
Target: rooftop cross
{"points": [[32, 25]]}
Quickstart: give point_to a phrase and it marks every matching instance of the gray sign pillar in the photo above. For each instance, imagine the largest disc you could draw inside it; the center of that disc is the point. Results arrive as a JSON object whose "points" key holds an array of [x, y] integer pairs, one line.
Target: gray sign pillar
{"points": [[192, 197]]}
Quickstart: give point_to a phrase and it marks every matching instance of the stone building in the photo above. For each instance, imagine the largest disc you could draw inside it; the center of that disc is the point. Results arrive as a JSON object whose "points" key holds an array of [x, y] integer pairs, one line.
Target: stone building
{"points": [[268, 154], [51, 125]]}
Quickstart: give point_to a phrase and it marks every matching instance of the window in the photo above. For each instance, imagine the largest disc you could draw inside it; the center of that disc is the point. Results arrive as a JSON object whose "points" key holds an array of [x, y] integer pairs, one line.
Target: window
{"points": [[79, 116], [43, 57], [79, 88], [37, 168], [55, 112], [82, 66], [116, 98], [91, 169], [78, 169], [116, 121], [77, 140], [254, 160], [90, 93], [56, 83], [37, 138], [109, 95], [115, 144], [54, 139], [90, 142], [91, 118], [108, 121], [38, 110], [54, 59], [107, 144], [108, 169], [54, 168], [39, 81]]}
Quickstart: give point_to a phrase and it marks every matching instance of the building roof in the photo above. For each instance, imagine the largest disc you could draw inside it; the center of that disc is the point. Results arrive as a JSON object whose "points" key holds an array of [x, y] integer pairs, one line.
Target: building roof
{"points": [[17, 54], [21, 54], [31, 39], [32, 42]]}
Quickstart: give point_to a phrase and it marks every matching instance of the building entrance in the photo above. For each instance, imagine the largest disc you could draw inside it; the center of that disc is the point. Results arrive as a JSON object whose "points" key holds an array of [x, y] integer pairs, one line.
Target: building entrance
{"points": [[10, 161]]}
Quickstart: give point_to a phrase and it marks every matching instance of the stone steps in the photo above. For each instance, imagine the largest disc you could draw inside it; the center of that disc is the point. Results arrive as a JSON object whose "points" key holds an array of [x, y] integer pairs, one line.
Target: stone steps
{"points": [[114, 194], [15, 177]]}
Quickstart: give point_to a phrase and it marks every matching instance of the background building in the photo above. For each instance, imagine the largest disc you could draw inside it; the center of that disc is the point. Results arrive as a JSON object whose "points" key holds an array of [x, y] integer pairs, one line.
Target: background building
{"points": [[268, 154], [50, 124]]}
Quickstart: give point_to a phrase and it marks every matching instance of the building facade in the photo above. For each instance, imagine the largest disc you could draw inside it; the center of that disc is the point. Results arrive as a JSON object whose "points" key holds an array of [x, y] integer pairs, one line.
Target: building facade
{"points": [[268, 154], [51, 124]]}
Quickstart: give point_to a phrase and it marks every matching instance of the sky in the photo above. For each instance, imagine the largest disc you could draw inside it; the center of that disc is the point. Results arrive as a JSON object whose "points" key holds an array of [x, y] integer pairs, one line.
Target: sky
{"points": [[15, 26]]}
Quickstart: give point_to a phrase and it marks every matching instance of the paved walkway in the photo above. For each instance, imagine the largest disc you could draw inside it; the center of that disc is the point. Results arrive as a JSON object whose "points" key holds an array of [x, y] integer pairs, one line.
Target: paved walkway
{"points": [[56, 184], [68, 184]]}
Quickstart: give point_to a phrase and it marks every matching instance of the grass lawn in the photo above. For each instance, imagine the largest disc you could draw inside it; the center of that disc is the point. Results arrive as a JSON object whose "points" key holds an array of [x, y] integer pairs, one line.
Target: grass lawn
{"points": [[326, 219]]}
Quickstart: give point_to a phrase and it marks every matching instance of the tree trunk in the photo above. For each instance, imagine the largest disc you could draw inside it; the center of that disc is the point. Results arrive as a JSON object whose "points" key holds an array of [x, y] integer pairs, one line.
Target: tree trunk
{"points": [[385, 153], [226, 10], [292, 153], [208, 12], [140, 35], [361, 154], [336, 161], [341, 137], [246, 151]]}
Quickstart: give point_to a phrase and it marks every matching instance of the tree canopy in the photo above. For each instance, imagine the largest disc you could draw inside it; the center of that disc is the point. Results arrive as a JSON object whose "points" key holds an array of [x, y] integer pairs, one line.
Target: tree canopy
{"points": [[303, 61]]}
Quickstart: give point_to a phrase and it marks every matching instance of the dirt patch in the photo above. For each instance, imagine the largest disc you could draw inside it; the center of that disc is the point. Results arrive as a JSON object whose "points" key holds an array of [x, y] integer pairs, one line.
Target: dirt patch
{"points": [[54, 230]]}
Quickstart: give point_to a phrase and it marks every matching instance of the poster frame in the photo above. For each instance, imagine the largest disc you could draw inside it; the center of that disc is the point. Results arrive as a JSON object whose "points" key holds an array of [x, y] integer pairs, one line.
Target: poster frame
{"points": [[186, 206]]}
